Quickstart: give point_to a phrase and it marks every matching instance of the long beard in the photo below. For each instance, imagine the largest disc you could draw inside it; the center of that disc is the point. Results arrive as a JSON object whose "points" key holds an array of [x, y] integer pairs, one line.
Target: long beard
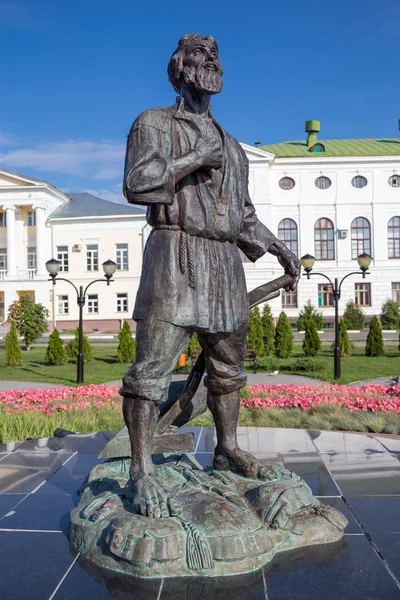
{"points": [[204, 80]]}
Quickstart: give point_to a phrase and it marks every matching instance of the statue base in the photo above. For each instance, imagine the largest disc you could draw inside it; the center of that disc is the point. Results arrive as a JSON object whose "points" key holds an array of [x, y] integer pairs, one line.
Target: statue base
{"points": [[227, 524]]}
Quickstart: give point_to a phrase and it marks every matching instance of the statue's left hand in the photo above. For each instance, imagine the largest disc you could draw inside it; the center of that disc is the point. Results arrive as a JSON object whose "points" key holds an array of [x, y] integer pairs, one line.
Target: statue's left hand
{"points": [[292, 267]]}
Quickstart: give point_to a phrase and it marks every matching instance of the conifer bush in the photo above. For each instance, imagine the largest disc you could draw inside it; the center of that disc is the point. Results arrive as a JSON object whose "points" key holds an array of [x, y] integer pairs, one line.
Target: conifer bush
{"points": [[193, 345], [126, 352], [283, 337], [30, 319], [73, 348], [311, 342], [344, 341], [309, 312], [353, 316], [268, 330], [56, 354], [12, 347], [255, 332], [374, 345], [390, 315]]}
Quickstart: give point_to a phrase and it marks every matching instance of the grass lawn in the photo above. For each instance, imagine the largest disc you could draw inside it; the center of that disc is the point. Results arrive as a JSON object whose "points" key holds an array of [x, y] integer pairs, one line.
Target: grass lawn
{"points": [[105, 368]]}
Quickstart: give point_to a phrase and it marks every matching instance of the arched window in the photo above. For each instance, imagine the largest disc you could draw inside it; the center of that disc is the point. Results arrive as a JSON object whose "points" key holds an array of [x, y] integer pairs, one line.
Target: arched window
{"points": [[324, 240], [360, 237], [287, 233], [394, 237], [286, 183]]}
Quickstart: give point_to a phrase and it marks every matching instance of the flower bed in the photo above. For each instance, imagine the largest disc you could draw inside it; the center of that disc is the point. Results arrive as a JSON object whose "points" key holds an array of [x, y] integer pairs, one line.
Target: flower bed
{"points": [[373, 398]]}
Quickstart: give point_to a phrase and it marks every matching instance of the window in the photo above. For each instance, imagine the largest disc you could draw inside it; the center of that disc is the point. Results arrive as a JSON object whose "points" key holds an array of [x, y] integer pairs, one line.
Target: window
{"points": [[122, 302], [324, 240], [3, 219], [289, 299], [394, 237], [362, 294], [92, 258], [394, 181], [62, 302], [31, 218], [325, 295], [32, 258], [323, 183], [359, 182], [317, 148], [360, 237], [93, 304], [286, 183], [396, 291], [1, 306], [3, 259], [62, 256], [122, 257], [287, 233]]}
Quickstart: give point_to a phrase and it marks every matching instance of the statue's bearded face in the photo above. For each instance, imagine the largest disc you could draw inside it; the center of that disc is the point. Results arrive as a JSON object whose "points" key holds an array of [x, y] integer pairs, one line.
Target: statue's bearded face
{"points": [[201, 67]]}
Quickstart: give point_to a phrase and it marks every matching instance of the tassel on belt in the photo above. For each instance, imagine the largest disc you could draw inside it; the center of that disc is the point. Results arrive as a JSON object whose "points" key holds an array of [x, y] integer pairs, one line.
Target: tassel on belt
{"points": [[186, 261]]}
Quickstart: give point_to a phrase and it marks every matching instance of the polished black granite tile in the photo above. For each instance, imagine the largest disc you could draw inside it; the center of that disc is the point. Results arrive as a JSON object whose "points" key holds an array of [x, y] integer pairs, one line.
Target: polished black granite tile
{"points": [[381, 514], [41, 512], [11, 446], [88, 581], [32, 564], [197, 432], [340, 505], [390, 443], [364, 474], [241, 587], [23, 472], [333, 442], [96, 443], [388, 545], [68, 444], [348, 570], [8, 501], [69, 478]]}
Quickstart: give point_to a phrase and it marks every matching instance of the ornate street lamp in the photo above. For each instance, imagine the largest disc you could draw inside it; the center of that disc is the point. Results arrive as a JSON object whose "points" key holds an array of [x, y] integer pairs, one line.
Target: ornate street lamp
{"points": [[364, 261], [53, 267]]}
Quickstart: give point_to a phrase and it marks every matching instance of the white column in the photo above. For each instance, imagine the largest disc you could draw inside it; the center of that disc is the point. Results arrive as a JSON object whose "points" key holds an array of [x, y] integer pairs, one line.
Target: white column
{"points": [[11, 246], [40, 241]]}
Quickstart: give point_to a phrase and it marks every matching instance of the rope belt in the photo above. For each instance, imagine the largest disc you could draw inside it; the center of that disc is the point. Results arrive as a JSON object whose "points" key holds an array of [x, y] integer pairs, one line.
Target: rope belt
{"points": [[185, 252]]}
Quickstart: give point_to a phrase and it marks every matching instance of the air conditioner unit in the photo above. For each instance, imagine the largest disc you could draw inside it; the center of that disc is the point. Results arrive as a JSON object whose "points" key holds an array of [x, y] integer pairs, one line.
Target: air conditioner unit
{"points": [[76, 248], [344, 233]]}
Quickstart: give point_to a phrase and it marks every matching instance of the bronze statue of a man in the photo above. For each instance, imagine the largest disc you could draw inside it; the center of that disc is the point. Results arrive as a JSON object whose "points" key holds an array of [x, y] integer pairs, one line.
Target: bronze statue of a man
{"points": [[193, 177]]}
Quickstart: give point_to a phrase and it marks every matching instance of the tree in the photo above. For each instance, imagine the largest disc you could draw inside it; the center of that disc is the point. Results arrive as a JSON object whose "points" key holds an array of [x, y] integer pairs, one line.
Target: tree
{"points": [[56, 354], [374, 345], [353, 316], [311, 343], [268, 330], [193, 345], [126, 345], [12, 347], [390, 315], [255, 332], [73, 348], [309, 312], [30, 319], [344, 341], [283, 337]]}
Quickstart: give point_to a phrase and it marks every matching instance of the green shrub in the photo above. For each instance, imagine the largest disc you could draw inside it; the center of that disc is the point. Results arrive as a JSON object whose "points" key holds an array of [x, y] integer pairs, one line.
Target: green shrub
{"points": [[344, 341], [56, 354], [390, 315], [374, 345], [12, 347], [353, 316], [283, 337], [126, 352], [73, 348], [255, 332], [311, 342], [309, 312], [30, 319], [311, 365], [193, 345], [268, 330]]}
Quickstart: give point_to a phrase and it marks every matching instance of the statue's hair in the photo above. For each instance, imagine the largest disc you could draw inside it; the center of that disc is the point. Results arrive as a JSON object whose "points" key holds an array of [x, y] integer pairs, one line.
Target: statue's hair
{"points": [[175, 65]]}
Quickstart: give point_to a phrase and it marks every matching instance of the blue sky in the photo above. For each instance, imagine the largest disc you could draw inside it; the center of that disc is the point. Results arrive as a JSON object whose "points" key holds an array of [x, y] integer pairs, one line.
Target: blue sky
{"points": [[75, 73]]}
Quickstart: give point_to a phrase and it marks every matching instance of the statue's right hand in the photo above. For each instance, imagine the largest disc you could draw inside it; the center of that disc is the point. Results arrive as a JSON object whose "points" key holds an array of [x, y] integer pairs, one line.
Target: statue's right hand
{"points": [[209, 152]]}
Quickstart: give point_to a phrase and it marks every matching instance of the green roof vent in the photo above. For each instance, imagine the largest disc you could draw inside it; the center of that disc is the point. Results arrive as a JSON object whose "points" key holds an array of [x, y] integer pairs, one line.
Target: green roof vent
{"points": [[312, 128]]}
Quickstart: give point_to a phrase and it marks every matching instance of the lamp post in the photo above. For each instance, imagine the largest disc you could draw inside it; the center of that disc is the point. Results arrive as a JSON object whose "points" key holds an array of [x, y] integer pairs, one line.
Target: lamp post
{"points": [[53, 267], [364, 261]]}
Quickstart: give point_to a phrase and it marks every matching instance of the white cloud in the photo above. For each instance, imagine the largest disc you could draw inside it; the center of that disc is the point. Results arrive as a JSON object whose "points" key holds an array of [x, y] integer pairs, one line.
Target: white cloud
{"points": [[17, 15], [113, 196]]}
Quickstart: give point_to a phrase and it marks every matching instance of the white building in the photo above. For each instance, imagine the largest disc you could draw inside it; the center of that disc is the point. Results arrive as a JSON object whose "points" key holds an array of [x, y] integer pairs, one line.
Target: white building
{"points": [[333, 199], [38, 222]]}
